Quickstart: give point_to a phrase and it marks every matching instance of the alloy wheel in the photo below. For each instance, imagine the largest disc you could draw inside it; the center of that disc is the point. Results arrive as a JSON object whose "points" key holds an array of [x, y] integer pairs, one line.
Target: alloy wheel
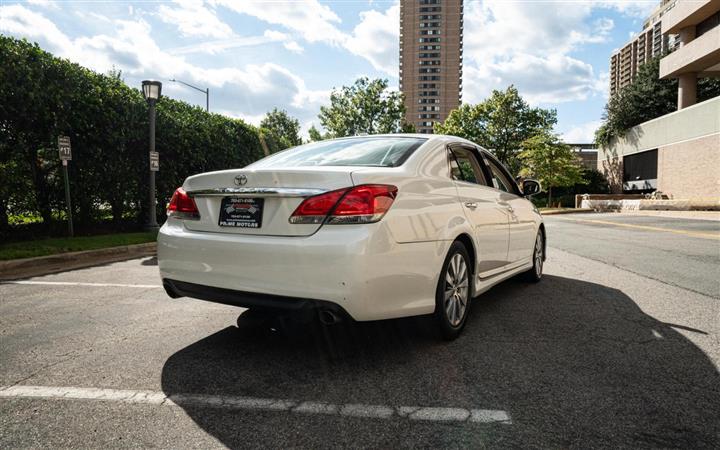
{"points": [[456, 289], [539, 255]]}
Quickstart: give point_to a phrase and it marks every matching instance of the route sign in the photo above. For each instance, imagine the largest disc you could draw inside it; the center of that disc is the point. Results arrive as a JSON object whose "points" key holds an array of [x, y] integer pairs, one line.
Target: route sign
{"points": [[64, 148], [154, 161]]}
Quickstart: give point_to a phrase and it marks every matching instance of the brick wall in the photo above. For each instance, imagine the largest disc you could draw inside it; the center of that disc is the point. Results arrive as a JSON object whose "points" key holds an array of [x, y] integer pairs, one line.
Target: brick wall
{"points": [[690, 169]]}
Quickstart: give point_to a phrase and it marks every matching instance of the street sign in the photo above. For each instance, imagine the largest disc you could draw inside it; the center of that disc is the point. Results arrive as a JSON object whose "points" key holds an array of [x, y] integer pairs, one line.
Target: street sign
{"points": [[154, 161], [64, 148], [65, 156]]}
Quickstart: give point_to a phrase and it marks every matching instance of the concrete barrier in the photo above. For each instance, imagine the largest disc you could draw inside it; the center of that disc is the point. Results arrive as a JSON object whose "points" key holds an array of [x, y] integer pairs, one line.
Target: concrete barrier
{"points": [[43, 265], [628, 205]]}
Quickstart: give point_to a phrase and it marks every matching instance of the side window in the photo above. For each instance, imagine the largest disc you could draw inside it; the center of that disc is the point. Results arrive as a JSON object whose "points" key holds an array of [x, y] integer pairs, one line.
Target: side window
{"points": [[464, 166], [499, 179]]}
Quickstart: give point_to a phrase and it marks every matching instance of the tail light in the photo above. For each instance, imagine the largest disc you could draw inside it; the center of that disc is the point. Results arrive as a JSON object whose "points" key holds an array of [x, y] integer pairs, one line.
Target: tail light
{"points": [[182, 206], [367, 203]]}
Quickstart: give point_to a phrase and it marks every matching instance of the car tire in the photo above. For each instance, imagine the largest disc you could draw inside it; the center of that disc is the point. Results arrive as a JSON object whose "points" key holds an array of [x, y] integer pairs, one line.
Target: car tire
{"points": [[454, 292], [253, 320], [534, 275]]}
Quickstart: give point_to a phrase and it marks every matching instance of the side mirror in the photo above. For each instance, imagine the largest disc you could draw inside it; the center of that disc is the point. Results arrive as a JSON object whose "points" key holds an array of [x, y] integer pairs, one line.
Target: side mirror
{"points": [[530, 188]]}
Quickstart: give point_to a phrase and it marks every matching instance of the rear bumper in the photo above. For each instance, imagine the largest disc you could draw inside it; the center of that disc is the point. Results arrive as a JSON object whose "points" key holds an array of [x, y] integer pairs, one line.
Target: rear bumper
{"points": [[358, 268], [254, 300]]}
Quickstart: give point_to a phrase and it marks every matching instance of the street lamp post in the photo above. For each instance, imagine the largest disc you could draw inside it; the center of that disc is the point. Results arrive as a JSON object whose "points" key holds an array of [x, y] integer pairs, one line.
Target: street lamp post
{"points": [[151, 91], [204, 91]]}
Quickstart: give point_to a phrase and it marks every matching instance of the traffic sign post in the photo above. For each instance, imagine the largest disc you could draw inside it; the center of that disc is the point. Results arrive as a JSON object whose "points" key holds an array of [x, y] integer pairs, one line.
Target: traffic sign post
{"points": [[66, 155]]}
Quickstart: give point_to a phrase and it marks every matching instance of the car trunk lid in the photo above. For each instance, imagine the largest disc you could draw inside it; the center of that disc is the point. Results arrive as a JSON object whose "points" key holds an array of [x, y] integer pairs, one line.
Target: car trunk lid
{"points": [[259, 201]]}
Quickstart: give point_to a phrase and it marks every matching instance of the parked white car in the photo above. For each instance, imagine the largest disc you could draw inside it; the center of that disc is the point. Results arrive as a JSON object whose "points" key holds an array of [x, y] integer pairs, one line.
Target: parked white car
{"points": [[372, 227]]}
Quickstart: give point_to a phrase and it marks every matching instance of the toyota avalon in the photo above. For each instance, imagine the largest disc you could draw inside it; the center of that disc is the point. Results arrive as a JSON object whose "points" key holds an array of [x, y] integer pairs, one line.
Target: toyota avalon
{"points": [[361, 228]]}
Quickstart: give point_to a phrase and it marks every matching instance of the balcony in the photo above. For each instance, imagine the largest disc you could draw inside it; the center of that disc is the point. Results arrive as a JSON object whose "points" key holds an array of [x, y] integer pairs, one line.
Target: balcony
{"points": [[687, 13], [701, 55]]}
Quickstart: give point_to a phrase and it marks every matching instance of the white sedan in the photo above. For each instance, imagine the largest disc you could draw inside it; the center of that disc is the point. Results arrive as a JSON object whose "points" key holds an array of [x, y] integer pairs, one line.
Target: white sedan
{"points": [[366, 228]]}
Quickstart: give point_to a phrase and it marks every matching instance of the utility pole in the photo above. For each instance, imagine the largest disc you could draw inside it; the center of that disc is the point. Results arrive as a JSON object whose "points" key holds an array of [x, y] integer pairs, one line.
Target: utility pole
{"points": [[204, 91]]}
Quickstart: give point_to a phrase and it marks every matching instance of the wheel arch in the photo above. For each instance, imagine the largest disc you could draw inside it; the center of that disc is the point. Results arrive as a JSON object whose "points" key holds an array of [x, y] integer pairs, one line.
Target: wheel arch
{"points": [[467, 241], [541, 229]]}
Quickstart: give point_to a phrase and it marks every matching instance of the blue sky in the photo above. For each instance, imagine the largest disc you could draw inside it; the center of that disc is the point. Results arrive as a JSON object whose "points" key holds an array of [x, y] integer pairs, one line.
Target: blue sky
{"points": [[256, 55]]}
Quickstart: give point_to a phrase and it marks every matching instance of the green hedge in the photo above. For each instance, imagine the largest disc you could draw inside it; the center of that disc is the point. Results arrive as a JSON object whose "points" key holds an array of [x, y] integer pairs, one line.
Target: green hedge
{"points": [[42, 97]]}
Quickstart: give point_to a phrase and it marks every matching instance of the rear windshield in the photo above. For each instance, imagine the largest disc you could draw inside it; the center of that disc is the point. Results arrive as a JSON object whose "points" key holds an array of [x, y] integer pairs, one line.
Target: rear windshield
{"points": [[370, 151]]}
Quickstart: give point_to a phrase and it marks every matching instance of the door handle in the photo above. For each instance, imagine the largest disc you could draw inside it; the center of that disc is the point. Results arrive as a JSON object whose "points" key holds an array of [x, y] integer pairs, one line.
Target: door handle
{"points": [[471, 205], [506, 206]]}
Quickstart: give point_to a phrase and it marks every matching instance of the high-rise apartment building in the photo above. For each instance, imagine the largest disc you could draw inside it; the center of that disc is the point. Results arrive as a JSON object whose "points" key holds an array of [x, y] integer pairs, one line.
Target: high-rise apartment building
{"points": [[651, 42], [431, 39]]}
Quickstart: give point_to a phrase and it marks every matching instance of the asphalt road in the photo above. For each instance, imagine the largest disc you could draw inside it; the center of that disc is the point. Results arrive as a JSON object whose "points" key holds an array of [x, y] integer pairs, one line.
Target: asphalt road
{"points": [[679, 252], [618, 346]]}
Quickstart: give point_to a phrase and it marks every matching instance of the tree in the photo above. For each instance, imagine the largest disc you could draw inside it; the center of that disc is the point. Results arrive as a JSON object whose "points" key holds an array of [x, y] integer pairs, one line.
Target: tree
{"points": [[365, 107], [646, 98], [500, 123], [545, 158], [283, 127], [315, 135], [42, 97]]}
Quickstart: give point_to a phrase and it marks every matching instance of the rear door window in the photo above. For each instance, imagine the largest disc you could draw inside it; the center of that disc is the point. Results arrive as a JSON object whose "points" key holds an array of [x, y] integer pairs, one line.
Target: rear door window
{"points": [[464, 166]]}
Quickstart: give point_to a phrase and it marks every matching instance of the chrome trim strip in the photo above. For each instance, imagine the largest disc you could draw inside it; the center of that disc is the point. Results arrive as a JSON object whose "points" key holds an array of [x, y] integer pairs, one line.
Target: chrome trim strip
{"points": [[257, 192]]}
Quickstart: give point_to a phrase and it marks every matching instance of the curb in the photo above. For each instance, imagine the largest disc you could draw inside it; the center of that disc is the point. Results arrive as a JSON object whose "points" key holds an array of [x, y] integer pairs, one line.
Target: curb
{"points": [[566, 211], [43, 265]]}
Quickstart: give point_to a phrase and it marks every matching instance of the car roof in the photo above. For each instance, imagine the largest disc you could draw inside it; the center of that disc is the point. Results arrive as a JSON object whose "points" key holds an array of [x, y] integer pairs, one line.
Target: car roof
{"points": [[431, 138]]}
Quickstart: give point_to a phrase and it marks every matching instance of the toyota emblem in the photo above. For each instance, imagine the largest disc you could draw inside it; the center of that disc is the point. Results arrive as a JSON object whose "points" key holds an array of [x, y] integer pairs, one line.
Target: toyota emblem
{"points": [[241, 180]]}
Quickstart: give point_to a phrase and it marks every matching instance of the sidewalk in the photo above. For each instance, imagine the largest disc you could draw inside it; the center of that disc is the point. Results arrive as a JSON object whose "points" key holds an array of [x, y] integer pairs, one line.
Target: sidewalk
{"points": [[697, 215]]}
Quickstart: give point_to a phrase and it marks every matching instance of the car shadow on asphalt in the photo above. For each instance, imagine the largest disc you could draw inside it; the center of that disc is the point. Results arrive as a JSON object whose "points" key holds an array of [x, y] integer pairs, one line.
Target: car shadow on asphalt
{"points": [[575, 364]]}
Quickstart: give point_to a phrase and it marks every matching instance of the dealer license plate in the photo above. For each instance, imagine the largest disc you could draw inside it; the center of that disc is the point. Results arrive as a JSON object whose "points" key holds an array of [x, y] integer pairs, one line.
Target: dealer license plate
{"points": [[240, 212]]}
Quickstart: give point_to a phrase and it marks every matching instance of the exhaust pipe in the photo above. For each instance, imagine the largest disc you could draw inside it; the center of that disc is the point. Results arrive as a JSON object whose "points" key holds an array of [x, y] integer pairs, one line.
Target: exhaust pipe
{"points": [[328, 317]]}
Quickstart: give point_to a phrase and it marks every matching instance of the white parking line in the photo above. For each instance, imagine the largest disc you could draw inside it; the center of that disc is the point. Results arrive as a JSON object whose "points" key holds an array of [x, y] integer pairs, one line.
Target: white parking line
{"points": [[72, 283], [265, 404]]}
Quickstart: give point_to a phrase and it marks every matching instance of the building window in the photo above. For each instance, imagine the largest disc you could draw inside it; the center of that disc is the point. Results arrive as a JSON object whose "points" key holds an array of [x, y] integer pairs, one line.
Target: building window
{"points": [[640, 171], [707, 24], [421, 40]]}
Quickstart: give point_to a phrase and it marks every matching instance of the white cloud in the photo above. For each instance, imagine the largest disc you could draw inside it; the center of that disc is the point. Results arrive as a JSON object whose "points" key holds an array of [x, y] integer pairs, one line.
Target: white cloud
{"points": [[376, 38], [314, 21], [293, 47], [583, 133], [247, 91], [217, 46], [635, 8], [531, 47], [194, 18], [85, 15], [18, 20], [552, 79], [44, 3]]}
